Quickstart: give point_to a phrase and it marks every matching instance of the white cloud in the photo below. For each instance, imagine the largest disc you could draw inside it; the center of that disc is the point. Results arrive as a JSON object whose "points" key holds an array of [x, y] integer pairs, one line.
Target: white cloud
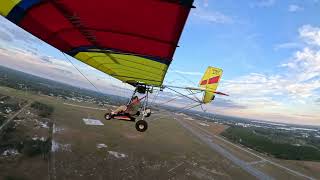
{"points": [[310, 34], [213, 17], [294, 87], [16, 33], [302, 75], [301, 81], [288, 45], [263, 3], [294, 8], [307, 64], [187, 73], [202, 12], [60, 70]]}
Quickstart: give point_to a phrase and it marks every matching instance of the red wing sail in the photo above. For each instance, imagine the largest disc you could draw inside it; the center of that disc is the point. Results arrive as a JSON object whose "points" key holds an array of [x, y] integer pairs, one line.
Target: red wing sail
{"points": [[118, 37]]}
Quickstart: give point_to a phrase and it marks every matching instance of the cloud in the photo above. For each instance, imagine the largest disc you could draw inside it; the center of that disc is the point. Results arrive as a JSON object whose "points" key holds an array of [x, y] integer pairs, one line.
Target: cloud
{"points": [[288, 45], [294, 8], [213, 17], [38, 65], [253, 85], [187, 73], [307, 64], [60, 70], [4, 36], [301, 81], [202, 12], [295, 86], [310, 34], [263, 3], [227, 103], [16, 33]]}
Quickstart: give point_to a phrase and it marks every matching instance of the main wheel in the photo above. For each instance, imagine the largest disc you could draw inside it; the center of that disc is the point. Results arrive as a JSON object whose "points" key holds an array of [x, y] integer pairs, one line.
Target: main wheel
{"points": [[108, 116], [141, 126]]}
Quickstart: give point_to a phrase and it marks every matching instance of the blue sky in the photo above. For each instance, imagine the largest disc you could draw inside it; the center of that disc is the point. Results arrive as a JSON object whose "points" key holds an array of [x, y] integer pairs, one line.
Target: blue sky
{"points": [[269, 51]]}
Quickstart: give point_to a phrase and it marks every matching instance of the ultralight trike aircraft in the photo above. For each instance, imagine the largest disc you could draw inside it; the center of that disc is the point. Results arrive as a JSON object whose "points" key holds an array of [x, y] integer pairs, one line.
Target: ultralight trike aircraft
{"points": [[131, 40]]}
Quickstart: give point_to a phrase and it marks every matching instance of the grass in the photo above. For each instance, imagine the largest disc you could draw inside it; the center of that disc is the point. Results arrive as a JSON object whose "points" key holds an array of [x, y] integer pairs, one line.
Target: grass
{"points": [[44, 109], [263, 144]]}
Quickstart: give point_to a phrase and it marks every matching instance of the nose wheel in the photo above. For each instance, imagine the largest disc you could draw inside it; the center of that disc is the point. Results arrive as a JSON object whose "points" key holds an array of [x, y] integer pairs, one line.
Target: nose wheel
{"points": [[141, 126], [108, 116]]}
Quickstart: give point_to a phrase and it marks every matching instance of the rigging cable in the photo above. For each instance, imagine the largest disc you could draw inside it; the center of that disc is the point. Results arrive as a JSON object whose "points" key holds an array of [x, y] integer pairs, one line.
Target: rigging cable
{"points": [[186, 79], [80, 72], [181, 75]]}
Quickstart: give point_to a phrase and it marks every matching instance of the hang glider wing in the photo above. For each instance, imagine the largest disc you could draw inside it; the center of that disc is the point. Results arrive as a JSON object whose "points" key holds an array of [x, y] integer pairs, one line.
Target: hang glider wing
{"points": [[133, 41]]}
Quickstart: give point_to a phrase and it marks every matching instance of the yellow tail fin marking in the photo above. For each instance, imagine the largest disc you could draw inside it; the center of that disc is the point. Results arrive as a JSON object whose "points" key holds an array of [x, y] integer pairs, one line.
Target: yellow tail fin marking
{"points": [[210, 82]]}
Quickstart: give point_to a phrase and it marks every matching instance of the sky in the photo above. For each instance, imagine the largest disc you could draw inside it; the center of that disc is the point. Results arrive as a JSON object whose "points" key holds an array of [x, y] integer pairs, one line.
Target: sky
{"points": [[269, 51]]}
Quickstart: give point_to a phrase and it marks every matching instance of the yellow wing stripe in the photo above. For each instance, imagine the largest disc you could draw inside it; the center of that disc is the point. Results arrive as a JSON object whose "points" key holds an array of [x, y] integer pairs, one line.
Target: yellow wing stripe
{"points": [[127, 68], [7, 5]]}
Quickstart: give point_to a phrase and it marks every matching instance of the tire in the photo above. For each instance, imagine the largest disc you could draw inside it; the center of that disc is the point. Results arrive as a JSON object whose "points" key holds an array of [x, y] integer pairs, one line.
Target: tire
{"points": [[108, 116], [141, 126]]}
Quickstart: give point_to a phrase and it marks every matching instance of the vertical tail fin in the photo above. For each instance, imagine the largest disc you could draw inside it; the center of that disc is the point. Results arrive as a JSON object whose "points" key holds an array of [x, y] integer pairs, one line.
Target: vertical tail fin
{"points": [[210, 82]]}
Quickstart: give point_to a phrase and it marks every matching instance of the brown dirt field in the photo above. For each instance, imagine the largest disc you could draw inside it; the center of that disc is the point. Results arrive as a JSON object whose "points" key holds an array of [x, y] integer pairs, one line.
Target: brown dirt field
{"points": [[306, 167], [276, 172]]}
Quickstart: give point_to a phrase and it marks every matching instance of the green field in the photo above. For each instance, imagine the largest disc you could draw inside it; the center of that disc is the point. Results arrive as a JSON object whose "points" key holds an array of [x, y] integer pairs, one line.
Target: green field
{"points": [[276, 147]]}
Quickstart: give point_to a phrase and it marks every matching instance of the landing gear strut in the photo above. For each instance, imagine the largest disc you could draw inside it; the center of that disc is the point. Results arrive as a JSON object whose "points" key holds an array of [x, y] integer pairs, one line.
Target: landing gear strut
{"points": [[142, 125]]}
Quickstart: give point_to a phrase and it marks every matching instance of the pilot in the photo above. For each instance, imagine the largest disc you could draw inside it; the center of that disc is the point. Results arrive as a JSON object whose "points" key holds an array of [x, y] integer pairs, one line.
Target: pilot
{"points": [[132, 108]]}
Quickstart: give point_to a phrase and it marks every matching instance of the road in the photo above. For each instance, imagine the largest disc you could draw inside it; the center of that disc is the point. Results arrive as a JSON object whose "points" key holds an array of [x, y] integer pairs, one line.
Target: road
{"points": [[13, 116], [207, 139], [85, 107]]}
